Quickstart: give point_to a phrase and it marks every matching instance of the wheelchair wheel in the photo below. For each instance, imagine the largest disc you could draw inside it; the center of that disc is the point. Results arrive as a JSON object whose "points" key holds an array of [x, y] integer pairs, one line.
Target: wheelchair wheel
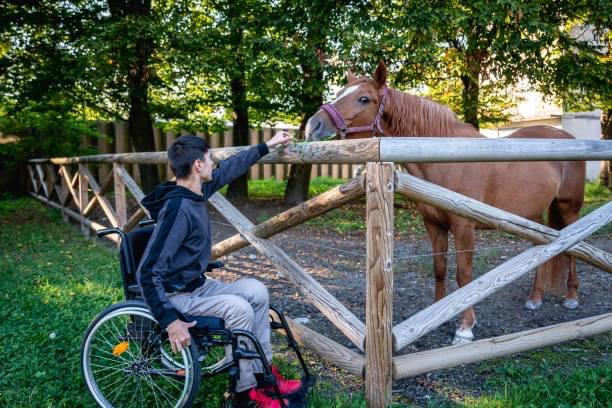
{"points": [[123, 363]]}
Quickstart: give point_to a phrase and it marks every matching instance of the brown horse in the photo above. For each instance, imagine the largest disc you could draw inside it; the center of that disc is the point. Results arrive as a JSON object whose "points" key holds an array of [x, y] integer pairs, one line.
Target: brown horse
{"points": [[527, 189]]}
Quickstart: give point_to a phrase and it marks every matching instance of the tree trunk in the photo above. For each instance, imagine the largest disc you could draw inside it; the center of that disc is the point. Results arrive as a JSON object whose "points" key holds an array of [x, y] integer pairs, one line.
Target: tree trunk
{"points": [[298, 182], [138, 76], [238, 189], [470, 94], [606, 134]]}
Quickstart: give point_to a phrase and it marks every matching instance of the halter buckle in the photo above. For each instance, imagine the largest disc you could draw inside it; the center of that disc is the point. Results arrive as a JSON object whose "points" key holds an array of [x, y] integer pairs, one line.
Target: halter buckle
{"points": [[343, 132]]}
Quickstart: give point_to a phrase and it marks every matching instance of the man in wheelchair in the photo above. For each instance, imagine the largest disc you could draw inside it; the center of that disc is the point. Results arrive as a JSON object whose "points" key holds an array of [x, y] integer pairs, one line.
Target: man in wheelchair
{"points": [[171, 272]]}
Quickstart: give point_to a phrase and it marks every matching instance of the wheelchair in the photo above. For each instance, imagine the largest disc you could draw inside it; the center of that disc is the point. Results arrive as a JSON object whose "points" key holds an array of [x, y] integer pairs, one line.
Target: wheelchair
{"points": [[126, 358]]}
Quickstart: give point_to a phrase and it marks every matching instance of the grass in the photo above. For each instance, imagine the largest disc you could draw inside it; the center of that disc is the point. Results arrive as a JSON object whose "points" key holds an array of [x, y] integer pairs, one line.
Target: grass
{"points": [[53, 284], [574, 374]]}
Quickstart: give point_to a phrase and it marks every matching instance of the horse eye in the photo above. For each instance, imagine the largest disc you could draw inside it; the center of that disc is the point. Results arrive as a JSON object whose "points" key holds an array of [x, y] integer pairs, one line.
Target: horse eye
{"points": [[364, 100]]}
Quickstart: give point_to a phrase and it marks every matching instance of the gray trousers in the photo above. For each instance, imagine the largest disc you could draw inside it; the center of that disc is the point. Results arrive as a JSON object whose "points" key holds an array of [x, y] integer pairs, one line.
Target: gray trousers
{"points": [[243, 304]]}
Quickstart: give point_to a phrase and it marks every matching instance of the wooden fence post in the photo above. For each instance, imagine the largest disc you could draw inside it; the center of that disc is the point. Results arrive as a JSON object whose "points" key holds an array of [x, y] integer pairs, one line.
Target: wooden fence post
{"points": [[380, 188], [106, 129], [120, 204], [253, 140], [267, 168], [83, 198], [67, 193], [170, 137]]}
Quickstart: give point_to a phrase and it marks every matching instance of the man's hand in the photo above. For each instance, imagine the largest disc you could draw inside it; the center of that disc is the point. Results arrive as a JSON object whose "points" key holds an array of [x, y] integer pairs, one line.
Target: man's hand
{"points": [[178, 333], [281, 137]]}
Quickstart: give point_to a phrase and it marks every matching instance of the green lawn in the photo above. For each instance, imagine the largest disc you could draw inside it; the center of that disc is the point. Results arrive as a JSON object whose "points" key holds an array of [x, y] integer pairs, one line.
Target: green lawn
{"points": [[54, 282]]}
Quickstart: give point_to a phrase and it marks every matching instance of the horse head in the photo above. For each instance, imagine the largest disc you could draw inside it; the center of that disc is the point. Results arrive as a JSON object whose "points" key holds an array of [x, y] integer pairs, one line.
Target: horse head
{"points": [[357, 110]]}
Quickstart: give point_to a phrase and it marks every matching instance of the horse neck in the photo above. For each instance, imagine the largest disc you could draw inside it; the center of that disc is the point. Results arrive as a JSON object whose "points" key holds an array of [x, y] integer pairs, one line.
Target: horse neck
{"points": [[410, 115]]}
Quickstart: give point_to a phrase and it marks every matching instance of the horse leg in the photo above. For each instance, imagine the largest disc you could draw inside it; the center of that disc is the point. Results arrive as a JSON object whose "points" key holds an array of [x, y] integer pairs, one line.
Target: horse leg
{"points": [[464, 243], [534, 301], [560, 214], [439, 244], [563, 213]]}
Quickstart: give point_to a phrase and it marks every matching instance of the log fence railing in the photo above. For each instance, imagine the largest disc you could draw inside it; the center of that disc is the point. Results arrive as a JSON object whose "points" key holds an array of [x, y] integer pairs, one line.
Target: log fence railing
{"points": [[69, 185]]}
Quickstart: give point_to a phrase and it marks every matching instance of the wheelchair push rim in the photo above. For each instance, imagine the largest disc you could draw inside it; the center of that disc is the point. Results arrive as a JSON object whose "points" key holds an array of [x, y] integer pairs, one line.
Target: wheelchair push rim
{"points": [[123, 363]]}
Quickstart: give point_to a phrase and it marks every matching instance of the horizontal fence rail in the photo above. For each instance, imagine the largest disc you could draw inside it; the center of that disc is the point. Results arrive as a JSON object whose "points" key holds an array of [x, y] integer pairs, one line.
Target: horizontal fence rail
{"points": [[390, 149], [453, 150]]}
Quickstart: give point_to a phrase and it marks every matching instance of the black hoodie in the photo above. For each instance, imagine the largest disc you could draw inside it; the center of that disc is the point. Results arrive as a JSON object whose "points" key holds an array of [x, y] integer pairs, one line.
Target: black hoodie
{"points": [[179, 249]]}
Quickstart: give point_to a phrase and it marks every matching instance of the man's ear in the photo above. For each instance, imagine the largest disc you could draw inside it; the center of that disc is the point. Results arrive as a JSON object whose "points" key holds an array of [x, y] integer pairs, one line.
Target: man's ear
{"points": [[350, 77], [380, 75]]}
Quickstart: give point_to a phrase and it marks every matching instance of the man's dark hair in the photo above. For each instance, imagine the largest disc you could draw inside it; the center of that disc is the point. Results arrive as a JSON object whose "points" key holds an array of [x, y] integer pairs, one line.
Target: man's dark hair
{"points": [[183, 152]]}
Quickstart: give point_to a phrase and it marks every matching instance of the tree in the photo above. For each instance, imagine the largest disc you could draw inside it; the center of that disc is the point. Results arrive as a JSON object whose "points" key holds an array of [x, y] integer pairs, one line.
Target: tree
{"points": [[319, 41], [579, 74], [476, 42]]}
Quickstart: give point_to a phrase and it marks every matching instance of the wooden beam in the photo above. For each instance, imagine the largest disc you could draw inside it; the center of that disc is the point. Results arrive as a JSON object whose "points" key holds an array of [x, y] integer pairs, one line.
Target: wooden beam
{"points": [[130, 183], [440, 197], [310, 209], [338, 151], [41, 176], [448, 307], [267, 169], [120, 200], [413, 364], [33, 178], [65, 173], [83, 197], [455, 150], [380, 187], [134, 220], [107, 183], [104, 204], [51, 178], [253, 140], [94, 226], [67, 193], [335, 311], [339, 355]]}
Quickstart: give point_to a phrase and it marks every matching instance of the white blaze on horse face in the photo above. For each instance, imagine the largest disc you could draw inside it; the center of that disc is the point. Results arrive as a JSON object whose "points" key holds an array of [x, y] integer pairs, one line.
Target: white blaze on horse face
{"points": [[346, 92]]}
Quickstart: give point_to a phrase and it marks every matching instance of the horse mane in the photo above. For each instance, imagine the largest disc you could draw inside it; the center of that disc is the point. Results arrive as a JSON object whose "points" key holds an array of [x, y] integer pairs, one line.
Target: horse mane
{"points": [[410, 115]]}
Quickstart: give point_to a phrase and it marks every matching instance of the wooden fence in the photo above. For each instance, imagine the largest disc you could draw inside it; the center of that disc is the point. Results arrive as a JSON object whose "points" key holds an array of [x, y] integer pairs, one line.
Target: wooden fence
{"points": [[69, 184], [117, 141]]}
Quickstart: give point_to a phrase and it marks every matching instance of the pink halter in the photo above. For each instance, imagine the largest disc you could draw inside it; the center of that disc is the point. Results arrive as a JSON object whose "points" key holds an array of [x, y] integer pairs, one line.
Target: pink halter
{"points": [[338, 120]]}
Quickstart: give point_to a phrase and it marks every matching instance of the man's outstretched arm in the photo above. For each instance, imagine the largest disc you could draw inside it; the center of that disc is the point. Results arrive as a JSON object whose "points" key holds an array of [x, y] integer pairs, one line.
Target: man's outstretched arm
{"points": [[235, 166]]}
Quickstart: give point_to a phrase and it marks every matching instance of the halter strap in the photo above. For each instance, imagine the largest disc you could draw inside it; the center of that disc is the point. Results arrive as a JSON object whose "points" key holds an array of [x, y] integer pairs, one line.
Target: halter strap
{"points": [[338, 120]]}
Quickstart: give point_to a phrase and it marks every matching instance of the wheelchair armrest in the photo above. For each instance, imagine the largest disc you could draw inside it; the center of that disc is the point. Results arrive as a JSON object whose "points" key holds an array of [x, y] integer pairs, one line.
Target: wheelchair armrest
{"points": [[107, 231], [144, 223], [214, 265]]}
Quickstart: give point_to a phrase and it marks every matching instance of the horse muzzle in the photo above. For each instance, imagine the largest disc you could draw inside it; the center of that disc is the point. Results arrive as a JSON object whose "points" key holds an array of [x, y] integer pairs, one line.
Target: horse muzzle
{"points": [[319, 128]]}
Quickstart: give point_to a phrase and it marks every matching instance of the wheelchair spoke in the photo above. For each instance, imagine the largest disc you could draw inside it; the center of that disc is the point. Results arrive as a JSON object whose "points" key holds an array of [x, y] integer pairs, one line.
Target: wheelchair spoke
{"points": [[164, 393], [128, 337], [111, 346], [126, 363], [147, 381]]}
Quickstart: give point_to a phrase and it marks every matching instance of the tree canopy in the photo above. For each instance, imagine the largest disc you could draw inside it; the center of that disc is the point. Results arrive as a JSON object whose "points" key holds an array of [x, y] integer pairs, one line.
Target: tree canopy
{"points": [[196, 65]]}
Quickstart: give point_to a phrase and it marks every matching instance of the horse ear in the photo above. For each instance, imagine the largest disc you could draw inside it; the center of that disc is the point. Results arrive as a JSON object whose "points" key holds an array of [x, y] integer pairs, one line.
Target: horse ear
{"points": [[350, 77], [380, 75]]}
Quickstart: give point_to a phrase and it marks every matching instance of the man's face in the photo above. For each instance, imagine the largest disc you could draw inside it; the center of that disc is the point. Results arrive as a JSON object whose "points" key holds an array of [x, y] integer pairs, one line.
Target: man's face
{"points": [[204, 167]]}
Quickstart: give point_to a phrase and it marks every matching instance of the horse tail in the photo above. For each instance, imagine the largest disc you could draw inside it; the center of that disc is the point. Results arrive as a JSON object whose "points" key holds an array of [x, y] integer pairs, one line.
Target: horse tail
{"points": [[564, 210]]}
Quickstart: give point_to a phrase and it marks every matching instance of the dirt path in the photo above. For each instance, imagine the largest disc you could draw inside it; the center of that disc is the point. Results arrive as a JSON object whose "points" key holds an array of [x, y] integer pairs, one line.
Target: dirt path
{"points": [[338, 262]]}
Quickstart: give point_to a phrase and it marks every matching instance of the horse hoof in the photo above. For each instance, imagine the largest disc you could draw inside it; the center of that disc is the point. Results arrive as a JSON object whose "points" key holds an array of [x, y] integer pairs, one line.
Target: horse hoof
{"points": [[570, 304], [463, 337], [533, 304]]}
